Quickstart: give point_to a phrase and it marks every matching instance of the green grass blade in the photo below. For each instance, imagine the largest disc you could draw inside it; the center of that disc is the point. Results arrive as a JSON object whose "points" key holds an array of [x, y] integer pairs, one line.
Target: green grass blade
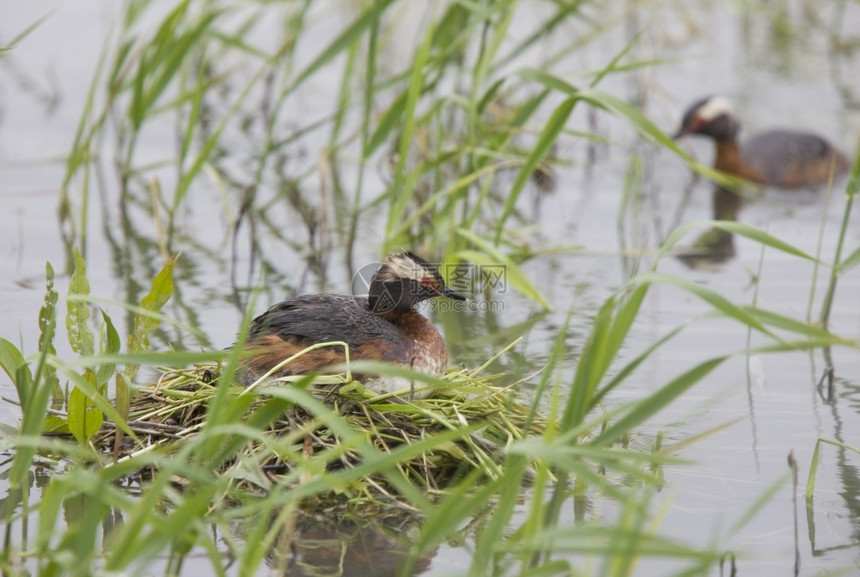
{"points": [[159, 293], [656, 402], [711, 297], [402, 188], [85, 419], [544, 144], [353, 33], [97, 398], [490, 255], [13, 362]]}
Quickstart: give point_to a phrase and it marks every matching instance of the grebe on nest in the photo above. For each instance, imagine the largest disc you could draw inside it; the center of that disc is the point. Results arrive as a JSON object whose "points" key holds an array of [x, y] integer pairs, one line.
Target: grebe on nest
{"points": [[383, 326]]}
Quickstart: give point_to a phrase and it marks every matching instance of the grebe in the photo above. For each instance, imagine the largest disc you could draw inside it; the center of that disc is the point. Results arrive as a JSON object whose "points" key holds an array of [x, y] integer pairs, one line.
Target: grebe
{"points": [[383, 326], [783, 158]]}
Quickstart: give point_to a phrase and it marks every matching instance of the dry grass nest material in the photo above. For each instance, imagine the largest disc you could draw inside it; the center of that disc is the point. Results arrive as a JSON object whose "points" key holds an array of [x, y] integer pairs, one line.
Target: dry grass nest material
{"points": [[482, 417]]}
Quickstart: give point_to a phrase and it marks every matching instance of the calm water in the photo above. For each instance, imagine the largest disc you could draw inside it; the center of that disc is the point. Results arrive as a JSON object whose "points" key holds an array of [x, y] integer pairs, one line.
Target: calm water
{"points": [[777, 68]]}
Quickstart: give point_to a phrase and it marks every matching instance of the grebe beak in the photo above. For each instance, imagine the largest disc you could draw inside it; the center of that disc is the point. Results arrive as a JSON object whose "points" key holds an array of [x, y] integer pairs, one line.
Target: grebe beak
{"points": [[452, 294]]}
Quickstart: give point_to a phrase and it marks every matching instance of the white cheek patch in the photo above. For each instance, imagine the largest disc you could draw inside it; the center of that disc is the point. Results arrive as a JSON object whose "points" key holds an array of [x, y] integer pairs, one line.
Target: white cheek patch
{"points": [[714, 107]]}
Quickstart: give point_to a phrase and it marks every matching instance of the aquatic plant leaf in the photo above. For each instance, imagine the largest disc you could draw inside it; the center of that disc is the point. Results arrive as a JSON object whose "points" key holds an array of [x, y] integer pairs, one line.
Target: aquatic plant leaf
{"points": [[98, 399], [159, 293], [122, 395], [46, 313], [13, 363], [85, 418], [110, 345], [47, 330], [55, 424], [78, 312], [35, 389]]}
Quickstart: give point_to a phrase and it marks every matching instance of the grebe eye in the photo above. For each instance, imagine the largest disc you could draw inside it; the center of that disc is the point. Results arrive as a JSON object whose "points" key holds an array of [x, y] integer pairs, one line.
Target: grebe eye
{"points": [[427, 282]]}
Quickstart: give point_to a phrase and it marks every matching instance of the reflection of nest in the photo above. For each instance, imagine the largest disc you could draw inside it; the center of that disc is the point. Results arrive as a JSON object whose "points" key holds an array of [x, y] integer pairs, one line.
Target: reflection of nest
{"points": [[429, 442], [712, 247], [378, 544]]}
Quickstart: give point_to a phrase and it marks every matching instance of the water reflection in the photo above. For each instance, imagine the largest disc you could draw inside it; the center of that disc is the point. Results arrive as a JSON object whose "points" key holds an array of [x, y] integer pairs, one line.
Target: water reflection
{"points": [[376, 545], [715, 245], [848, 474]]}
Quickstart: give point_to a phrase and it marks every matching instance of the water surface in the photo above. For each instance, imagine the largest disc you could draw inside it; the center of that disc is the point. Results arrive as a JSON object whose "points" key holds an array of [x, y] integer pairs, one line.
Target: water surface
{"points": [[780, 68]]}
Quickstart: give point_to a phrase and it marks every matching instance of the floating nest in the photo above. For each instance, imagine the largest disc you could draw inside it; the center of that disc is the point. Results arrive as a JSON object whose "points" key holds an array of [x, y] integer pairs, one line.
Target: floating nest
{"points": [[477, 417]]}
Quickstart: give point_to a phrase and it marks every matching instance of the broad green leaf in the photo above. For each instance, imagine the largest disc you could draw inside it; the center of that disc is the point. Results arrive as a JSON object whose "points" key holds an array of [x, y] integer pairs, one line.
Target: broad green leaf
{"points": [[85, 419], [78, 313], [159, 293], [99, 400], [12, 362], [110, 346], [55, 424], [37, 388]]}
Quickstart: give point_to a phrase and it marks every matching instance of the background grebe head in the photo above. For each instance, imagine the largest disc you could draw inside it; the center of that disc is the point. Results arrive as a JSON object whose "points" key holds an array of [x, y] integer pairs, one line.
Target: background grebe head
{"points": [[711, 116], [403, 281], [786, 158]]}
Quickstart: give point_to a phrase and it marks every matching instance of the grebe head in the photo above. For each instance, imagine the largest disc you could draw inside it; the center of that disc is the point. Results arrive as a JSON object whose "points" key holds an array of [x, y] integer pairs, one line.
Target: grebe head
{"points": [[403, 281], [711, 116]]}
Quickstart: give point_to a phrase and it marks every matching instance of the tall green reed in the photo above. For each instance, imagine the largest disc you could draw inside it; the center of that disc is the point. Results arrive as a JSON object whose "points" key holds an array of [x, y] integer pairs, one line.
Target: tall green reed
{"points": [[449, 150], [583, 450], [448, 147]]}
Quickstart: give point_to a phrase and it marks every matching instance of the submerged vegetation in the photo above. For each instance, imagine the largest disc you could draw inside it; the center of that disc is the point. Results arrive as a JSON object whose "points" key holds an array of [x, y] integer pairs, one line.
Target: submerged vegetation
{"points": [[433, 149]]}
